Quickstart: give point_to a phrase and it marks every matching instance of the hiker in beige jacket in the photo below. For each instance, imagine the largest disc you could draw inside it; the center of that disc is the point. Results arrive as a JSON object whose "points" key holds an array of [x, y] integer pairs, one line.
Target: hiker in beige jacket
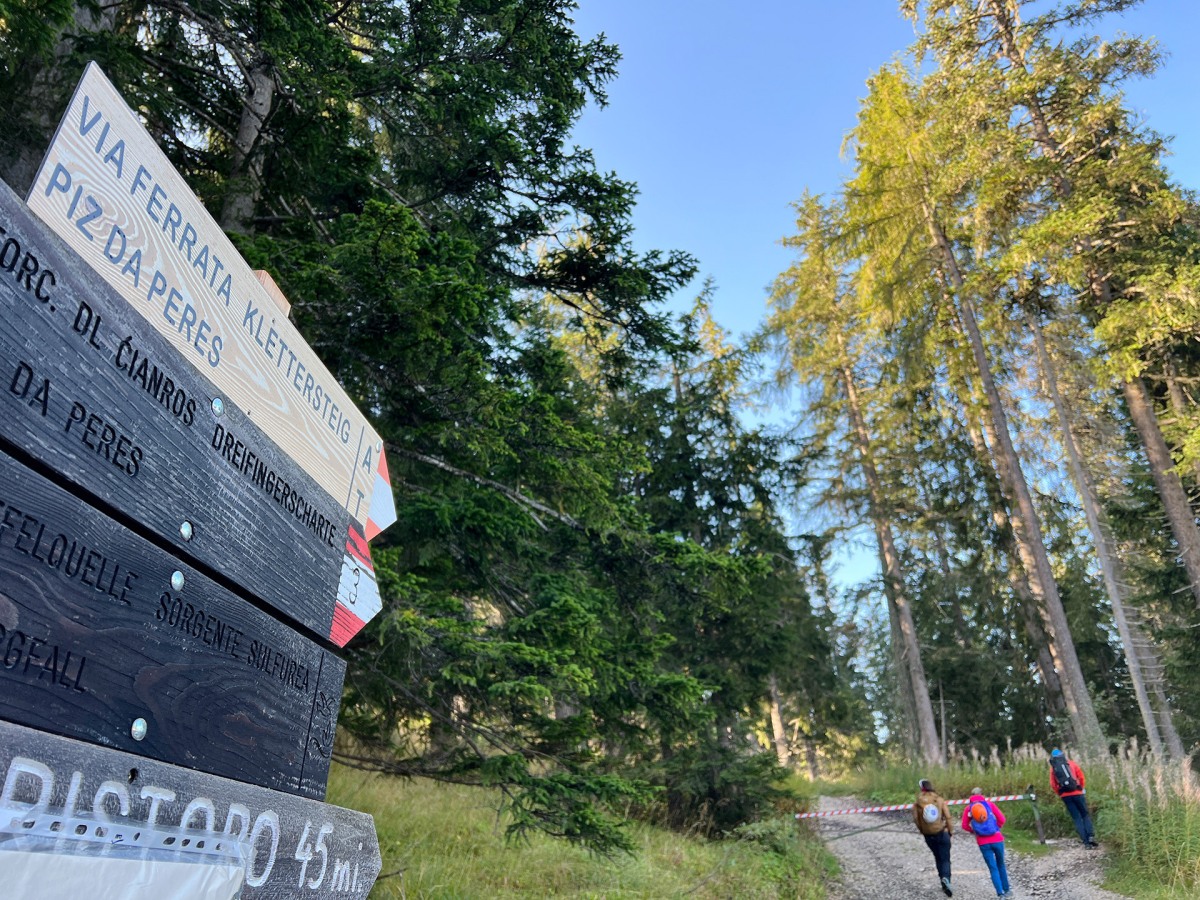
{"points": [[933, 821]]}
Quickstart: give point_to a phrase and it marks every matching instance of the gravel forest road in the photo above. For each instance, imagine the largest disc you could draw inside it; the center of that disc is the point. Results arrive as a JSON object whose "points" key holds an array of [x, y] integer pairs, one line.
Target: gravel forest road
{"points": [[884, 858]]}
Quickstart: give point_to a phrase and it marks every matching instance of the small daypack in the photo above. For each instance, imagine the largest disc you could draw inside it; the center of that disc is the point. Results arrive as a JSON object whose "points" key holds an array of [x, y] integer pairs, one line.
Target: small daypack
{"points": [[1063, 776], [987, 826], [930, 820]]}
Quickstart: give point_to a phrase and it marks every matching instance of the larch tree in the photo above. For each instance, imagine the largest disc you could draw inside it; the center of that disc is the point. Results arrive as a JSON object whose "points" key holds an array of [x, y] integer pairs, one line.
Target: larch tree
{"points": [[1139, 652], [1114, 224], [813, 315], [914, 167]]}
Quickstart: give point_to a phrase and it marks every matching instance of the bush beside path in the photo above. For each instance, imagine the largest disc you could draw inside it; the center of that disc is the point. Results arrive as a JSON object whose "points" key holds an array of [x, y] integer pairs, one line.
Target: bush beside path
{"points": [[883, 856]]}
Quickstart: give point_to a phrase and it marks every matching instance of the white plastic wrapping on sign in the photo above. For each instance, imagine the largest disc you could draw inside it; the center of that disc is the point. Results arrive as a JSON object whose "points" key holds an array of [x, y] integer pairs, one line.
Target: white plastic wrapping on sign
{"points": [[47, 857]]}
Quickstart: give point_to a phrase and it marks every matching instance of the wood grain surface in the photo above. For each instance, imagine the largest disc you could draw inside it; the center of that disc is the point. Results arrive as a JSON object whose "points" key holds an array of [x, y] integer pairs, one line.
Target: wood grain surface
{"points": [[91, 390], [105, 801], [94, 635], [112, 194]]}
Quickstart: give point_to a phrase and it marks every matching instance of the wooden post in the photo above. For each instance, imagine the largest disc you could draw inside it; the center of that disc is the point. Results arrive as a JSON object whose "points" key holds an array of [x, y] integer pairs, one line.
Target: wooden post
{"points": [[1037, 814]]}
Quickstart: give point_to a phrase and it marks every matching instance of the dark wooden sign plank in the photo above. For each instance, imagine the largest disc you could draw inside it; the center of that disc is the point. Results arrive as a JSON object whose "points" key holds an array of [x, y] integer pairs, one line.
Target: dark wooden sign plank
{"points": [[91, 389], [105, 800], [107, 638]]}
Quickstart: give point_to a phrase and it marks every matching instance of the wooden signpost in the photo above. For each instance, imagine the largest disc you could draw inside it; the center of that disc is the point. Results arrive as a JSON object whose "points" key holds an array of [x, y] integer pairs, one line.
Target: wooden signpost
{"points": [[113, 807], [181, 481], [94, 393], [111, 193], [100, 630]]}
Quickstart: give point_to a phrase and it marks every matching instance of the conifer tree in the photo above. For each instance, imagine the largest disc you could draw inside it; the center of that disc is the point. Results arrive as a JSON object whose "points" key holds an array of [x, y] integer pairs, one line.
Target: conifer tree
{"points": [[812, 314], [1114, 225], [906, 192]]}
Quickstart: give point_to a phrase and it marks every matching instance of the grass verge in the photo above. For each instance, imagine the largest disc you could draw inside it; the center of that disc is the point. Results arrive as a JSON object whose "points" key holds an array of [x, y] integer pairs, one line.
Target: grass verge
{"points": [[443, 841], [1153, 827]]}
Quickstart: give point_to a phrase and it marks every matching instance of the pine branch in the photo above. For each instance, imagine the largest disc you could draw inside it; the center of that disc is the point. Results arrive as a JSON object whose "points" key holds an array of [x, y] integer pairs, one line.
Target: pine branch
{"points": [[531, 506]]}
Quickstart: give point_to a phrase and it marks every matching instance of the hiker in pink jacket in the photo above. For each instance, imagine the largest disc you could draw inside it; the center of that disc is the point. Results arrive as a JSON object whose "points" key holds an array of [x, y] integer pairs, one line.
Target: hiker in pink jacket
{"points": [[984, 820]]}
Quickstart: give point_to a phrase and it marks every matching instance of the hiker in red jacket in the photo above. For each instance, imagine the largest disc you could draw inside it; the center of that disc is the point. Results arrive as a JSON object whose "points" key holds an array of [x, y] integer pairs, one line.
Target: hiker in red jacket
{"points": [[983, 819], [1066, 780]]}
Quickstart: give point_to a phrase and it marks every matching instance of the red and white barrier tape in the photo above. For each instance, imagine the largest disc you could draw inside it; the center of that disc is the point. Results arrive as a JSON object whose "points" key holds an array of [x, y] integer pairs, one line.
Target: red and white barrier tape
{"points": [[897, 808]]}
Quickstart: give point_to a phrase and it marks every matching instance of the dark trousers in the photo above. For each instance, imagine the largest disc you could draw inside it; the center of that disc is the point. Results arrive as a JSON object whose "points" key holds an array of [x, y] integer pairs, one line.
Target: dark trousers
{"points": [[940, 845], [1077, 806]]}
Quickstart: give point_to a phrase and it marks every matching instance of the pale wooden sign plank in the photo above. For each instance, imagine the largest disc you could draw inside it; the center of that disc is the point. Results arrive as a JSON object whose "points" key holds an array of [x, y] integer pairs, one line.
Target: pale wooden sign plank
{"points": [[111, 193]]}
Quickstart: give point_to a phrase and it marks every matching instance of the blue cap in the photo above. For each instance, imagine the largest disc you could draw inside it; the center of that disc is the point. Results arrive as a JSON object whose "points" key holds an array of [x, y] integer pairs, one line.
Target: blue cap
{"points": [[1056, 752]]}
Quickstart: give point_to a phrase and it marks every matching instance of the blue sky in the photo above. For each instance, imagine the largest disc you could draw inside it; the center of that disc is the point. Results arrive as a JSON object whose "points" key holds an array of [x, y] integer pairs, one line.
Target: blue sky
{"points": [[724, 113]]}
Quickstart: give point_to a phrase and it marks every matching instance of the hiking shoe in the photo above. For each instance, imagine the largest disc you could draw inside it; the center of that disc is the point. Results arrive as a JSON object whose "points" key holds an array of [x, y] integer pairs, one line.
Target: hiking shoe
{"points": [[1092, 845], [946, 889]]}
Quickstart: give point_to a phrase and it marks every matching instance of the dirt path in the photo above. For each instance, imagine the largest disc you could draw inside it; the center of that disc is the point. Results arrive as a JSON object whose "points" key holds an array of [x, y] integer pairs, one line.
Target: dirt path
{"points": [[883, 856]]}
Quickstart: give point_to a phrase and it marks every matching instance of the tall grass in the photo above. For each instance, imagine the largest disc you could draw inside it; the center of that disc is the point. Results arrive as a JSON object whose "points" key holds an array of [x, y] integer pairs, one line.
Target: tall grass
{"points": [[1153, 823], [997, 775], [442, 841]]}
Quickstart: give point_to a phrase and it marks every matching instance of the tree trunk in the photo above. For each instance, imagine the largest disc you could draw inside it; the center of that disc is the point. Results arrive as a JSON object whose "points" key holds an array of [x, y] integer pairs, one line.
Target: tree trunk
{"points": [[777, 730], [1180, 404], [1166, 721], [244, 187], [1166, 480], [811, 759], [44, 96], [1027, 529], [564, 709], [910, 669], [908, 731], [1110, 566], [1031, 612]]}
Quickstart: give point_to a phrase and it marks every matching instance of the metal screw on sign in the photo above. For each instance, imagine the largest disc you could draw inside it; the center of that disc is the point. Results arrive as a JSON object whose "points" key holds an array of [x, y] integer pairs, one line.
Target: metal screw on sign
{"points": [[138, 729], [185, 531], [218, 406], [177, 580]]}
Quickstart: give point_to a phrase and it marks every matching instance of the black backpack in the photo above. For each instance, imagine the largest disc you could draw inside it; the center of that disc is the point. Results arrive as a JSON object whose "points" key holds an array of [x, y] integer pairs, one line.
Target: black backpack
{"points": [[1063, 776]]}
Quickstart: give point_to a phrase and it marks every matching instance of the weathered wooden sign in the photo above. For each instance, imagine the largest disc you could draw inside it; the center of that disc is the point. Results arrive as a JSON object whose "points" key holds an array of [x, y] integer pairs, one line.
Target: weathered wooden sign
{"points": [[115, 806], [111, 193], [106, 638], [88, 388]]}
